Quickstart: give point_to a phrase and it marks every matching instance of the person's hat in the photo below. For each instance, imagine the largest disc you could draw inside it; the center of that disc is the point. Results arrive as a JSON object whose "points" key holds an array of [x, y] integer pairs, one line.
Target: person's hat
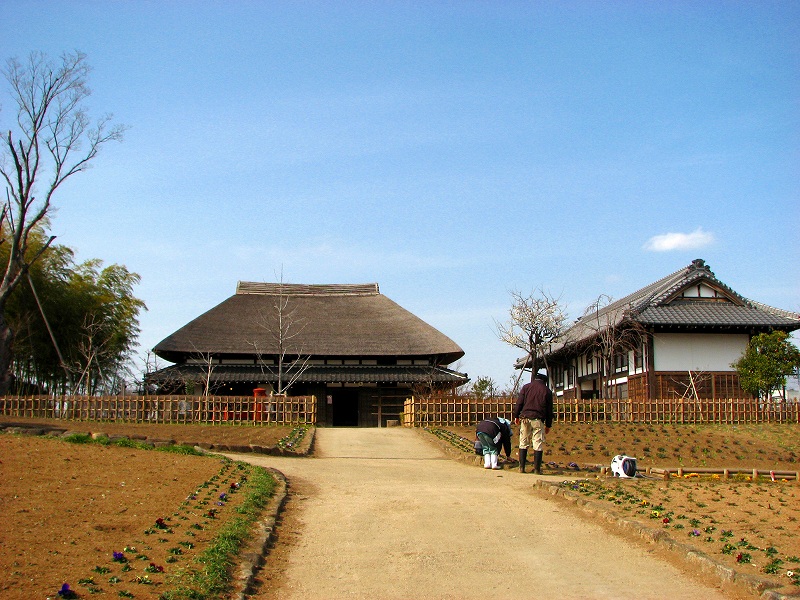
{"points": [[542, 374]]}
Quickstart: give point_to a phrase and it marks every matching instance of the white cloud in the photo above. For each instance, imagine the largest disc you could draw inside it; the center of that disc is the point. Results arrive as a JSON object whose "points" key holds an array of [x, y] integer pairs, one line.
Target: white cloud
{"points": [[679, 241]]}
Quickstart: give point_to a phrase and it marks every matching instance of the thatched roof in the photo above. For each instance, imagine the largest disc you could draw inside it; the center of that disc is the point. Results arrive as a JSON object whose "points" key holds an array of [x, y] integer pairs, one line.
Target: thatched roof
{"points": [[318, 320]]}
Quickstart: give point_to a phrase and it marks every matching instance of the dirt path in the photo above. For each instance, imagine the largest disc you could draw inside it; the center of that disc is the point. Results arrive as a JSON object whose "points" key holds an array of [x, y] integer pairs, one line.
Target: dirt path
{"points": [[382, 514]]}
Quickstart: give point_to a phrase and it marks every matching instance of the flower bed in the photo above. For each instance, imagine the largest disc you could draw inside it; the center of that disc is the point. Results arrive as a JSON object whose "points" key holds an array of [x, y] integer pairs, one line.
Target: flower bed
{"points": [[454, 439], [293, 440], [108, 521], [752, 526]]}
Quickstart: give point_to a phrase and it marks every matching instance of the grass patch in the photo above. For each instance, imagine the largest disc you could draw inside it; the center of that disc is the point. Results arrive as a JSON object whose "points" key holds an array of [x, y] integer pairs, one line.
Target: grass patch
{"points": [[78, 438], [129, 443], [210, 575], [85, 438], [180, 449]]}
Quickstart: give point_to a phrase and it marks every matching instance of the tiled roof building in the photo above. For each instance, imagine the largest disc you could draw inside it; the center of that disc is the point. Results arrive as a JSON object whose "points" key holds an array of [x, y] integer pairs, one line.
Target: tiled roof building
{"points": [[689, 328]]}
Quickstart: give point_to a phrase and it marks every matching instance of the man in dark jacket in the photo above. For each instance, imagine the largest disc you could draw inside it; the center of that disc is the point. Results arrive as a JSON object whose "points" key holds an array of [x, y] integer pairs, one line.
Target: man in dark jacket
{"points": [[494, 434], [534, 413]]}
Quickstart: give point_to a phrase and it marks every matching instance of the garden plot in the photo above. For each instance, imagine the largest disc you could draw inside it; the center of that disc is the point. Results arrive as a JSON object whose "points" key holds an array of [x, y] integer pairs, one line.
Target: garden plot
{"points": [[752, 525], [110, 520]]}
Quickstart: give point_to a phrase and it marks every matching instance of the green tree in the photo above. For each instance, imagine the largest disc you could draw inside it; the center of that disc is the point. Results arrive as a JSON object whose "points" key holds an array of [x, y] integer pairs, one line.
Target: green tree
{"points": [[76, 324], [49, 140], [484, 387], [765, 364]]}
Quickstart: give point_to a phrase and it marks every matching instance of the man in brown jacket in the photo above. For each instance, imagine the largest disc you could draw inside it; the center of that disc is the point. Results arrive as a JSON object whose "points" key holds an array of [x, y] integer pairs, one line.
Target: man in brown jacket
{"points": [[534, 413]]}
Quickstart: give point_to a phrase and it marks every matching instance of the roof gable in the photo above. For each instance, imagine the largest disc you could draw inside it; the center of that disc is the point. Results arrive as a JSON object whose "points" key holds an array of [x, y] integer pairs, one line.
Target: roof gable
{"points": [[693, 297]]}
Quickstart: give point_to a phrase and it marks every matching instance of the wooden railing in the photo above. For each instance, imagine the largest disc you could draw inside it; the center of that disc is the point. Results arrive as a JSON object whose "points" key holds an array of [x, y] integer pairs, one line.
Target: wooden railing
{"points": [[463, 411], [268, 410]]}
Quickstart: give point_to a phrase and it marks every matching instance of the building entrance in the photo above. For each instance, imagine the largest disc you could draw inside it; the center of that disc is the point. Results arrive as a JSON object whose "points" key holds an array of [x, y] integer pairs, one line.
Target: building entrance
{"points": [[345, 407]]}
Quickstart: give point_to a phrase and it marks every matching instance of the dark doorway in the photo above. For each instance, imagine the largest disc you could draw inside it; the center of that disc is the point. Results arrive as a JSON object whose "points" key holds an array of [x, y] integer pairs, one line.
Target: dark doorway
{"points": [[345, 408]]}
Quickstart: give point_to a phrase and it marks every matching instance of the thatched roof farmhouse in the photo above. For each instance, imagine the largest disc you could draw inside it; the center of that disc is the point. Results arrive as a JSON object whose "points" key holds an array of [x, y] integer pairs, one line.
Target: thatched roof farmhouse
{"points": [[346, 344]]}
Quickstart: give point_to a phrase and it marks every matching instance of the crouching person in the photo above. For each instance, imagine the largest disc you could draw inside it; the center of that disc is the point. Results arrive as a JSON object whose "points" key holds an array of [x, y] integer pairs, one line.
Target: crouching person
{"points": [[494, 435]]}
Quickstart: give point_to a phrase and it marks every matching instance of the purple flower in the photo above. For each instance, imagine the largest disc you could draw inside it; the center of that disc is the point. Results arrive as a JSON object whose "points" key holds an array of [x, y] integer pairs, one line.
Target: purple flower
{"points": [[695, 532], [66, 592], [223, 496], [119, 557]]}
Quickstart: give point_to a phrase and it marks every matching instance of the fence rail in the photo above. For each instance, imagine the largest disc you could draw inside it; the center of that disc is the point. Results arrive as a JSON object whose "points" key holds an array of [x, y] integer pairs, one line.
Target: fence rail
{"points": [[462, 411], [269, 410]]}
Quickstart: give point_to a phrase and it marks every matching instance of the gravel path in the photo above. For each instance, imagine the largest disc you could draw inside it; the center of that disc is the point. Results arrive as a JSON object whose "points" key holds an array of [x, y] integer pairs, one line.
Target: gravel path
{"points": [[382, 514]]}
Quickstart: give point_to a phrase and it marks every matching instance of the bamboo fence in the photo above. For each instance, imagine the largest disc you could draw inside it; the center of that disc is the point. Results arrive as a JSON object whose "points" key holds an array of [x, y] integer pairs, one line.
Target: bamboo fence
{"points": [[262, 410], [463, 411]]}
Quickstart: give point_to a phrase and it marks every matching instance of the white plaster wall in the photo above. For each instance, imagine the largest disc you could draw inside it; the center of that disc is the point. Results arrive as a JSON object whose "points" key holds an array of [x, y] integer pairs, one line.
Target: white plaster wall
{"points": [[697, 351]]}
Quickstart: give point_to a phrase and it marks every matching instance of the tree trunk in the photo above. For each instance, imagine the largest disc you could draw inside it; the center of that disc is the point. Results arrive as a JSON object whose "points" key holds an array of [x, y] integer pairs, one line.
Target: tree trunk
{"points": [[6, 343]]}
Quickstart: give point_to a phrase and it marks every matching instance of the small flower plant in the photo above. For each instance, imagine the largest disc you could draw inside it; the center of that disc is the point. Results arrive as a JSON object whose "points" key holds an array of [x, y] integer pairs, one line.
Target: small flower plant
{"points": [[66, 592], [154, 568], [119, 557]]}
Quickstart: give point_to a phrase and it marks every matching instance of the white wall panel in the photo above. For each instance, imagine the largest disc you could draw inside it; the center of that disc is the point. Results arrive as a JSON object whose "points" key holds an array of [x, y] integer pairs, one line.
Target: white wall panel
{"points": [[697, 351]]}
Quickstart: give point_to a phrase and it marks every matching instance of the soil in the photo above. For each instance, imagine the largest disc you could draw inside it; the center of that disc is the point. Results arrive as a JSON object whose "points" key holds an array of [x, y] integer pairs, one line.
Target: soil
{"points": [[762, 446], [750, 525], [191, 435], [66, 509]]}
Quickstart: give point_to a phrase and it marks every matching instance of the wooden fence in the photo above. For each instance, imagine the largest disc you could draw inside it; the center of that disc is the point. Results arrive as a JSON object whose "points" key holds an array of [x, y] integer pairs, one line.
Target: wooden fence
{"points": [[269, 410], [453, 410], [464, 411]]}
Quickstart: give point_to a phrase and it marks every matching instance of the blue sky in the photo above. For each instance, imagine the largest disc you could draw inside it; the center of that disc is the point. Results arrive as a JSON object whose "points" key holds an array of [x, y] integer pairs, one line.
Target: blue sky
{"points": [[450, 151]]}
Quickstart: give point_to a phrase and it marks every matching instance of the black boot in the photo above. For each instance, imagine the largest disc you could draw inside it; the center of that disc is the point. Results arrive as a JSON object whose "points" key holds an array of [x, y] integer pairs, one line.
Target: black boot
{"points": [[523, 456], [537, 461]]}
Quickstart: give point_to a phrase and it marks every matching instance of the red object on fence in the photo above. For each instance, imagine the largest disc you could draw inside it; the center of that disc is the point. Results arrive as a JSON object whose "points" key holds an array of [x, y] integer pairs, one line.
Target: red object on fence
{"points": [[259, 393]]}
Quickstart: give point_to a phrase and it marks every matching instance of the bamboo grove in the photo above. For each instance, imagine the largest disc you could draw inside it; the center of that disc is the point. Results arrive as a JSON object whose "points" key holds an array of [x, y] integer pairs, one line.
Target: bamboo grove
{"points": [[75, 325]]}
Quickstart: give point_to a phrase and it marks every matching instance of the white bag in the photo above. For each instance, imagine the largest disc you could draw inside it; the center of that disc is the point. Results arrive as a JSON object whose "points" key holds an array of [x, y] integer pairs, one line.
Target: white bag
{"points": [[623, 466]]}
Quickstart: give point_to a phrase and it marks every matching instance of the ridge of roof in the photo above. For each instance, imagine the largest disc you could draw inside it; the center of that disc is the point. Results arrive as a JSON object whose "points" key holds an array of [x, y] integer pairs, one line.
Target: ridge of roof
{"points": [[300, 289], [775, 311], [666, 287]]}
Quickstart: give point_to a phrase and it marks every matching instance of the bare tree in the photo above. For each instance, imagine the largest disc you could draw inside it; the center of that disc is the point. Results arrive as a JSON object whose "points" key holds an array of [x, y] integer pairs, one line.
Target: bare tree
{"points": [[52, 141], [534, 323], [206, 361], [285, 327], [169, 379], [614, 334], [90, 356], [691, 389]]}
